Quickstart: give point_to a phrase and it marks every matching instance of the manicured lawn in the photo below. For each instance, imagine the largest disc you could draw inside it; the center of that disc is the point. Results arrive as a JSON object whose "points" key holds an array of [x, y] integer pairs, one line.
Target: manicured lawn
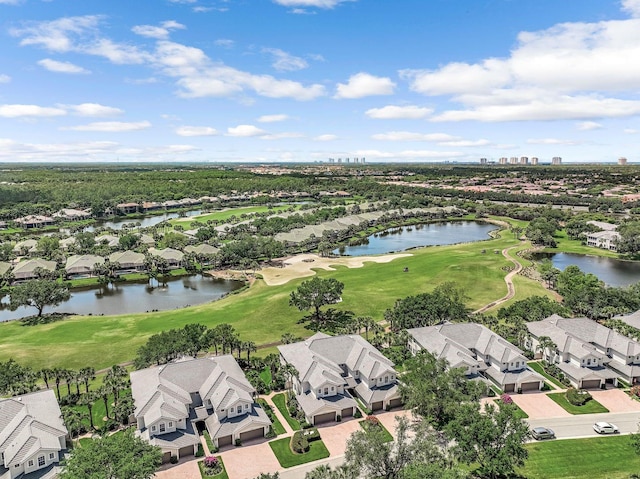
{"points": [[537, 367], [222, 475], [599, 457], [278, 428], [591, 407], [82, 341], [287, 458], [387, 435], [280, 401], [210, 444]]}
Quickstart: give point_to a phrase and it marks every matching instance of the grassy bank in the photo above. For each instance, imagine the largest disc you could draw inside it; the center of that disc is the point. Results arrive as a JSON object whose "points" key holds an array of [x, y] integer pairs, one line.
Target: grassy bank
{"points": [[598, 457], [262, 313]]}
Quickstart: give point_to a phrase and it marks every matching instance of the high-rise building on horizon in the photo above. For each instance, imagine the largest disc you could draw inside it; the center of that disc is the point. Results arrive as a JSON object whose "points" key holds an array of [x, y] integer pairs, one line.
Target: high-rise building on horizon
{"points": [[503, 160], [556, 160], [534, 160], [483, 161], [622, 161]]}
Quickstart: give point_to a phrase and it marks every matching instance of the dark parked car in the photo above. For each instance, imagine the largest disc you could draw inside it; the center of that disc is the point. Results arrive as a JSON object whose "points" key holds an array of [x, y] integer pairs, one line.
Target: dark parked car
{"points": [[540, 433]]}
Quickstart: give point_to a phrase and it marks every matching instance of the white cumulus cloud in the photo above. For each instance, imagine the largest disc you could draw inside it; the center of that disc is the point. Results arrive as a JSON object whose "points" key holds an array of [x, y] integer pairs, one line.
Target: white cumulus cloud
{"points": [[158, 32], [5, 78], [326, 137], [273, 118], [588, 125], [196, 131], [245, 131], [551, 141], [310, 3], [283, 61], [62, 67], [112, 126], [363, 84], [393, 112], [93, 110], [17, 111]]}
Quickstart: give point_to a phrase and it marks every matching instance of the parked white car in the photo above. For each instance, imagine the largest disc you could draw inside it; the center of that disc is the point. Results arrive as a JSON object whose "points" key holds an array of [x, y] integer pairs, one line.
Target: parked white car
{"points": [[605, 428]]}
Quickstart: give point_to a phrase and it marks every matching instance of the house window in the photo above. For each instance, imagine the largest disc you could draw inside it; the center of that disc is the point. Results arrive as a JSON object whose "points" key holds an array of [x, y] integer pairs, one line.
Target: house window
{"points": [[162, 427], [170, 424], [588, 361], [326, 390], [332, 389], [319, 391], [246, 406], [386, 379], [51, 455], [30, 463], [240, 409], [41, 461], [153, 428]]}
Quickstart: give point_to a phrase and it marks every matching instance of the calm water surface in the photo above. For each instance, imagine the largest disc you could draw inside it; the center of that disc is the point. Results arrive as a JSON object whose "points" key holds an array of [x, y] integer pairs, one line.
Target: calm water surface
{"points": [[432, 234], [136, 297], [613, 272]]}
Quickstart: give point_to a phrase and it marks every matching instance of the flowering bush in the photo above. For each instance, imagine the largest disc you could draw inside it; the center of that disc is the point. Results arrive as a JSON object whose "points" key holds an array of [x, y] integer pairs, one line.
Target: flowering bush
{"points": [[506, 399], [635, 391], [212, 466], [373, 421]]}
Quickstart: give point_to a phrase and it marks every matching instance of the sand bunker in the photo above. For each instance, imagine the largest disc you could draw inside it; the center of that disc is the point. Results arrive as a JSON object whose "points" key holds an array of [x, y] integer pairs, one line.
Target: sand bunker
{"points": [[302, 265]]}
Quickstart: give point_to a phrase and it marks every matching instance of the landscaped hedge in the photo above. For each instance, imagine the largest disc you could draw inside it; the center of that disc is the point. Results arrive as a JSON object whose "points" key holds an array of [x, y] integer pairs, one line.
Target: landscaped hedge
{"points": [[299, 443], [556, 372], [577, 397]]}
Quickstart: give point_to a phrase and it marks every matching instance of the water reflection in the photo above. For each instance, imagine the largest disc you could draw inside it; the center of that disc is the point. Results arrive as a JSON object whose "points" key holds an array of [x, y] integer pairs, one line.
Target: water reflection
{"points": [[135, 297], [613, 272]]}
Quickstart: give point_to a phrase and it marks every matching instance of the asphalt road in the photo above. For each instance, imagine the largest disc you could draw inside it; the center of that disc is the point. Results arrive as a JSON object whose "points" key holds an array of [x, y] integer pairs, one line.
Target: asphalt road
{"points": [[582, 425]]}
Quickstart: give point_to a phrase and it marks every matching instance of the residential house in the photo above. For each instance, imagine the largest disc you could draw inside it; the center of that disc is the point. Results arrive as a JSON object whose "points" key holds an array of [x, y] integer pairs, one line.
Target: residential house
{"points": [[331, 369], [604, 239], [127, 208], [32, 434], [108, 240], [27, 269], [128, 260], [25, 247], [71, 214], [632, 319], [67, 243], [172, 256], [174, 401], [202, 250], [4, 268], [82, 265], [482, 354], [34, 221], [590, 354]]}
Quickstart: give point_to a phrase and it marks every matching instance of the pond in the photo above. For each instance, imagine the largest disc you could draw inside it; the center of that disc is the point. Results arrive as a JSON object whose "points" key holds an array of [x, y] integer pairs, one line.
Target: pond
{"points": [[430, 234], [613, 272], [135, 297]]}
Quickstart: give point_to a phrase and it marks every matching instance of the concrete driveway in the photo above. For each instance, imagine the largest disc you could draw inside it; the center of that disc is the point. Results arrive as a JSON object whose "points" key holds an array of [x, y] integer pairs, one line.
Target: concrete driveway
{"points": [[247, 462], [538, 406], [184, 470], [616, 400], [335, 436]]}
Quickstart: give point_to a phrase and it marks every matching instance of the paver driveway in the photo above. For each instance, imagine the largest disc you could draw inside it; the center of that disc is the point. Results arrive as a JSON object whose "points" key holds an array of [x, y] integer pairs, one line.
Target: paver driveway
{"points": [[184, 470], [616, 400], [247, 462], [538, 406], [335, 436]]}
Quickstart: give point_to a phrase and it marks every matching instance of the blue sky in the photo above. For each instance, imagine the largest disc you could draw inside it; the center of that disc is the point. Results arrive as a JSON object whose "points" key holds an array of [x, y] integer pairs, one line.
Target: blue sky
{"points": [[306, 80]]}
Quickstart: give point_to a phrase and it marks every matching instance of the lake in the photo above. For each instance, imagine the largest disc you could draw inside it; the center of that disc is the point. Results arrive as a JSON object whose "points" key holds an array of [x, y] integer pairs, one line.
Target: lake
{"points": [[136, 297], [613, 272], [430, 234]]}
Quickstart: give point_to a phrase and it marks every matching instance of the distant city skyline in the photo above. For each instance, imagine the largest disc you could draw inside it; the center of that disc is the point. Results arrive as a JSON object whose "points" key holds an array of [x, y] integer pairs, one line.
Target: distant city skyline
{"points": [[308, 80]]}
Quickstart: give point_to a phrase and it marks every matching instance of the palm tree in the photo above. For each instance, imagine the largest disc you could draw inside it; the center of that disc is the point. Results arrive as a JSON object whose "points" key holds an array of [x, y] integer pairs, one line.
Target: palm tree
{"points": [[249, 347], [116, 380], [89, 399], [546, 346], [88, 374], [103, 392], [46, 374], [58, 375], [73, 420], [69, 377]]}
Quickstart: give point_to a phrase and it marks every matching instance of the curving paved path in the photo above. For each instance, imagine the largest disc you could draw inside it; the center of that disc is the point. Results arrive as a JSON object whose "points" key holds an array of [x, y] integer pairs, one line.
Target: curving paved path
{"points": [[511, 289]]}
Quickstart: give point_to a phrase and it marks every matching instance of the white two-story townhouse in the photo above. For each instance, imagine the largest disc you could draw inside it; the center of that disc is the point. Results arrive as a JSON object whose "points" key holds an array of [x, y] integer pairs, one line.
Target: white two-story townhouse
{"points": [[174, 401], [32, 434], [481, 352], [330, 369], [590, 354]]}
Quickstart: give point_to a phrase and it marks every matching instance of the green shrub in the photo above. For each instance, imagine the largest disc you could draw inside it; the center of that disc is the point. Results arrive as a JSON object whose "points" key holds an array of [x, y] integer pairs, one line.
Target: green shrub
{"points": [[358, 414], [299, 443], [311, 434], [577, 397], [271, 433], [174, 460]]}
